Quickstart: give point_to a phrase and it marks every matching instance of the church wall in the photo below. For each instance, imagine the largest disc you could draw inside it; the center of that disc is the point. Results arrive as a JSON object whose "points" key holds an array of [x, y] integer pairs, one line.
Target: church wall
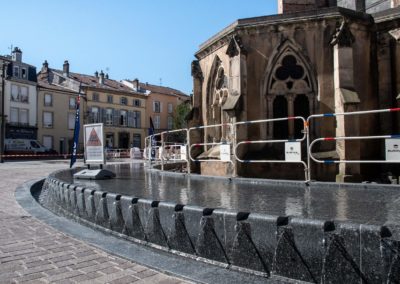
{"points": [[312, 39]]}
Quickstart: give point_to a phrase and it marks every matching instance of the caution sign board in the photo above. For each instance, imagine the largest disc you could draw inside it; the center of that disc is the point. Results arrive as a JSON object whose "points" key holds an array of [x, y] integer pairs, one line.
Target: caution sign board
{"points": [[94, 143], [293, 151], [392, 149]]}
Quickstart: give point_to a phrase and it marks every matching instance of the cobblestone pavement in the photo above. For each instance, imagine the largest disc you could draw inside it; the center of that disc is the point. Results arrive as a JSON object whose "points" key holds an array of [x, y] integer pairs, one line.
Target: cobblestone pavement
{"points": [[32, 252]]}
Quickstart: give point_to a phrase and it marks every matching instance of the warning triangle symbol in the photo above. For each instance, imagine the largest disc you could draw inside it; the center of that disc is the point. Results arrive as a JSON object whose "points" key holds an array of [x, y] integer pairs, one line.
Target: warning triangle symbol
{"points": [[93, 139]]}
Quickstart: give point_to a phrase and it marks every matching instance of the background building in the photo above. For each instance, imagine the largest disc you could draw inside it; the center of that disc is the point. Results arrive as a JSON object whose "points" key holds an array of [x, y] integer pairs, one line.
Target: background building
{"points": [[20, 97], [120, 108], [57, 98], [160, 105]]}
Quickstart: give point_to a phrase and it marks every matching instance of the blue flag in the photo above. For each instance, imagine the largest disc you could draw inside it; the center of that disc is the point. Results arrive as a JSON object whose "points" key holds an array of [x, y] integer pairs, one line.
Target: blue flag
{"points": [[153, 142], [76, 132]]}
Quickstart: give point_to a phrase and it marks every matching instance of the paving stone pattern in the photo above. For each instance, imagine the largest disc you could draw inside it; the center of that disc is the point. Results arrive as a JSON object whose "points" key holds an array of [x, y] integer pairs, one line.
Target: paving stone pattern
{"points": [[32, 252]]}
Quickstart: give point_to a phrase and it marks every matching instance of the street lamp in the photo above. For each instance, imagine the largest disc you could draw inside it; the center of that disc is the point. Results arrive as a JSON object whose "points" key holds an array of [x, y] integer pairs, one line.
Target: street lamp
{"points": [[3, 78]]}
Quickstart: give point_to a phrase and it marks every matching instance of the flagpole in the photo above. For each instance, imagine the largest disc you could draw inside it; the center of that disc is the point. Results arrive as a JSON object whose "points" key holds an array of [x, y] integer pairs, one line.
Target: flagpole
{"points": [[76, 129]]}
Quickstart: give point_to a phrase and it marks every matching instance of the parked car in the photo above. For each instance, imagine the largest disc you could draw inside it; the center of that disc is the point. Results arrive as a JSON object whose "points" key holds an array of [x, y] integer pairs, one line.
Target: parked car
{"points": [[24, 146]]}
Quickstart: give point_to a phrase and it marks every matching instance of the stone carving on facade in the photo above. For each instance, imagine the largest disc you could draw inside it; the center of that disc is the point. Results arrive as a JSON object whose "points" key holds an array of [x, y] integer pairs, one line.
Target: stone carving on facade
{"points": [[343, 36], [235, 47], [196, 70], [395, 33]]}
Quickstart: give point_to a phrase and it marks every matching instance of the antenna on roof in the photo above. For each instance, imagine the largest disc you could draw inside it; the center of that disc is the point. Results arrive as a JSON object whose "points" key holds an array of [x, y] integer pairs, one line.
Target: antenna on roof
{"points": [[160, 81], [11, 49]]}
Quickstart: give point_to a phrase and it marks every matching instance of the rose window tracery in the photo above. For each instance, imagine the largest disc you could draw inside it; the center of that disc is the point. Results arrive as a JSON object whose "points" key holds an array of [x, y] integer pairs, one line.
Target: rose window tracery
{"points": [[289, 76]]}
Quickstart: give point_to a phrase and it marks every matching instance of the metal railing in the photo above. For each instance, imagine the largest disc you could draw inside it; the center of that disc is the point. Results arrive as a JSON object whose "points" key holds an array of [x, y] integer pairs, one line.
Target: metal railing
{"points": [[310, 143], [165, 151], [225, 155], [289, 158], [225, 147]]}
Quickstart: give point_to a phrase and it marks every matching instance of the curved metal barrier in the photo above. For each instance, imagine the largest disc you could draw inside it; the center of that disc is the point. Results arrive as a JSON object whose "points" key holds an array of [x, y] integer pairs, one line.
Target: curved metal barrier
{"points": [[311, 144], [225, 155], [351, 161], [164, 150], [292, 146]]}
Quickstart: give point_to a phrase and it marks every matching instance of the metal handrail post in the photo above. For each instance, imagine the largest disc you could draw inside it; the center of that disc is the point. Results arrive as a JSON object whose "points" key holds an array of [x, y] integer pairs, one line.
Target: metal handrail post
{"points": [[162, 151], [187, 152]]}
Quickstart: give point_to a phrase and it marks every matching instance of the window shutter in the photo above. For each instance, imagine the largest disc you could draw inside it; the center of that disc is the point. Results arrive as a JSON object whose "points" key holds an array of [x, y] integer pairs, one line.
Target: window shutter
{"points": [[154, 106], [138, 122], [160, 107], [90, 115], [116, 117], [103, 115], [9, 69], [130, 119]]}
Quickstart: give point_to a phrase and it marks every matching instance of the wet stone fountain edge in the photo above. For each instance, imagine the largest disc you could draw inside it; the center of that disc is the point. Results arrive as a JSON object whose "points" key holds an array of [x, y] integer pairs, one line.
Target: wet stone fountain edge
{"points": [[316, 251]]}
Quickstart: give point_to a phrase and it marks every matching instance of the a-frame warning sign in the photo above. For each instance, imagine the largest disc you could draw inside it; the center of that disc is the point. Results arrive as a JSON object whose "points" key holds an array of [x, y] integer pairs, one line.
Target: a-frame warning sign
{"points": [[94, 139], [93, 143]]}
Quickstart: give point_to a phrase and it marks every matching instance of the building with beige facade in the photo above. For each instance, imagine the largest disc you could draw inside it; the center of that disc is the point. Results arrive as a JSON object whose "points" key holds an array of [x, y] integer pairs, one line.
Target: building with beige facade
{"points": [[107, 101], [57, 99], [160, 105], [120, 108]]}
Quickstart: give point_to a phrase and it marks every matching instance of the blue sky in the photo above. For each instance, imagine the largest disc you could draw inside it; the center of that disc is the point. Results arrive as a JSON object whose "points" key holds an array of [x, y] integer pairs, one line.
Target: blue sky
{"points": [[152, 40]]}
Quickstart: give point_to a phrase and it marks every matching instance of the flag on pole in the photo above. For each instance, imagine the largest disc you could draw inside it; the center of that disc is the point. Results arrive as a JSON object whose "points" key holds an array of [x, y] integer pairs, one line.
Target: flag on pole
{"points": [[153, 141], [76, 130]]}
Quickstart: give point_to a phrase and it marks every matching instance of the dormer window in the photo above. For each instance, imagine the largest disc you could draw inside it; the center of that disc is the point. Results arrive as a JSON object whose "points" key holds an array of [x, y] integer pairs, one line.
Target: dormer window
{"points": [[16, 71], [23, 73]]}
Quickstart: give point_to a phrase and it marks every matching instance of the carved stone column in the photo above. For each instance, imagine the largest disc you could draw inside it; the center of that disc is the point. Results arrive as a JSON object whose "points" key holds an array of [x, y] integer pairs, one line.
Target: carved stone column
{"points": [[235, 105], [346, 100], [195, 115], [385, 80]]}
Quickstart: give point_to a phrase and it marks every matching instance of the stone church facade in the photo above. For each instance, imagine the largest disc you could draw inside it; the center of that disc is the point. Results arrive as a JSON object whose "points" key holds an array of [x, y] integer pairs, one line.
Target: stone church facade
{"points": [[314, 57]]}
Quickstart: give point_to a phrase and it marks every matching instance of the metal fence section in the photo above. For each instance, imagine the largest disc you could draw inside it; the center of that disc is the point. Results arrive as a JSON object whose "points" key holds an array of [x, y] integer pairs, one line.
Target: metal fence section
{"points": [[158, 147], [292, 146], [165, 150], [310, 143], [225, 147]]}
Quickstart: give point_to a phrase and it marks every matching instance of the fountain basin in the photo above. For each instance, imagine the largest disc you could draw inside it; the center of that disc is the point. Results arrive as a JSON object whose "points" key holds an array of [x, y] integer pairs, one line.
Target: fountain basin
{"points": [[314, 233]]}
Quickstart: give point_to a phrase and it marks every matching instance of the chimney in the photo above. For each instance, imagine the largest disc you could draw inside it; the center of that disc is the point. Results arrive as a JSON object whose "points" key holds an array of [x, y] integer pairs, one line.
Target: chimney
{"points": [[136, 84], [292, 6], [101, 79], [356, 5], [17, 55], [66, 68], [45, 67], [106, 75], [96, 74]]}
